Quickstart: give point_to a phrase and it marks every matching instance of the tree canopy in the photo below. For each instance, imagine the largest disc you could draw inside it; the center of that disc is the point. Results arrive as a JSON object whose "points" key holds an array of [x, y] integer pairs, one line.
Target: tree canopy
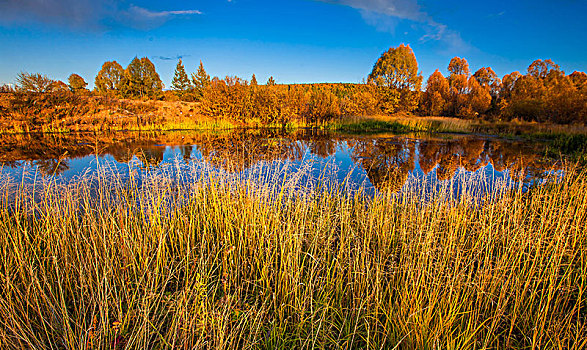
{"points": [[437, 94], [142, 79], [34, 82], [201, 80], [397, 68], [254, 80], [181, 84], [458, 66], [76, 83], [109, 78]]}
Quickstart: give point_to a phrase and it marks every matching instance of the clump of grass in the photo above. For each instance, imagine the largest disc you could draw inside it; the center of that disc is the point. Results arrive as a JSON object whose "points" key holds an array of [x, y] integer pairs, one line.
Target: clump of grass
{"points": [[403, 124], [574, 146], [370, 126], [213, 260]]}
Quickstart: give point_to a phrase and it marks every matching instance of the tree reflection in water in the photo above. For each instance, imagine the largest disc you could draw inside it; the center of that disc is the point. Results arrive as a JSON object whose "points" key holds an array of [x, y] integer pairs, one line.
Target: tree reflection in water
{"points": [[387, 160]]}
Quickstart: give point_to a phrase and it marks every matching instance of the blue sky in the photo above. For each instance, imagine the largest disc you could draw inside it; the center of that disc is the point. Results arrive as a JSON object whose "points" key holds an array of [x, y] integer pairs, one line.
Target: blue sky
{"points": [[296, 41]]}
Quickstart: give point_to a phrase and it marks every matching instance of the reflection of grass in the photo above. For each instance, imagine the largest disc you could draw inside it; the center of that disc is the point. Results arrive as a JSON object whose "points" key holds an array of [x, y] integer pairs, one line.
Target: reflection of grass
{"points": [[237, 263]]}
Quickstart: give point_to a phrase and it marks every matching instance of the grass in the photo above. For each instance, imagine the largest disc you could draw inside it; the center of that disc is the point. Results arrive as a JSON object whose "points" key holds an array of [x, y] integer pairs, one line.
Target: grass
{"points": [[263, 260], [401, 124], [574, 146]]}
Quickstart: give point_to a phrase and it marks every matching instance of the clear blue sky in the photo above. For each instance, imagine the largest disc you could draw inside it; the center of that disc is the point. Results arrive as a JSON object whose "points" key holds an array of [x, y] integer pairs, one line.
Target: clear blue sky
{"points": [[296, 41]]}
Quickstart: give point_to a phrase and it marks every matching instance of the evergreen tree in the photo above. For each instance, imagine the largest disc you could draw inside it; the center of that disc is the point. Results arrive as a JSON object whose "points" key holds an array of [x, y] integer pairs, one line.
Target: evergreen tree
{"points": [[200, 80], [254, 80], [181, 84], [142, 79]]}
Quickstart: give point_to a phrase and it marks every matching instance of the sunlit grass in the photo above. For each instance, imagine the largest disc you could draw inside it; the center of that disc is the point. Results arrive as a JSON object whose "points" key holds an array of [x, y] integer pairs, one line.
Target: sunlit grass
{"points": [[263, 260]]}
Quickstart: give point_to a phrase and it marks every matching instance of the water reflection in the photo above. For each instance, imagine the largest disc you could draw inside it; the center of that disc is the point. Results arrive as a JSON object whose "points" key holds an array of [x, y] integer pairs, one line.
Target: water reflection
{"points": [[386, 160]]}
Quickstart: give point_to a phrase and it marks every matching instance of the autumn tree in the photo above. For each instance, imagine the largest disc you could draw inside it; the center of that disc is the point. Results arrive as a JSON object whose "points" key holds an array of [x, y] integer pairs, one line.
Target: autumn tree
{"points": [[479, 100], [458, 66], [579, 79], [60, 86], [181, 84], [459, 86], [526, 98], [540, 69], [34, 82], [545, 93], [76, 83], [270, 81], [396, 74], [487, 78], [437, 94], [200, 80], [110, 78], [459, 74], [141, 79]]}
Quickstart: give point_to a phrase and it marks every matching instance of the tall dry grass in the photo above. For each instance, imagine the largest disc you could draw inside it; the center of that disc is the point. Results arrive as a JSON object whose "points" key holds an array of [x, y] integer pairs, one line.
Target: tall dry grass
{"points": [[262, 260]]}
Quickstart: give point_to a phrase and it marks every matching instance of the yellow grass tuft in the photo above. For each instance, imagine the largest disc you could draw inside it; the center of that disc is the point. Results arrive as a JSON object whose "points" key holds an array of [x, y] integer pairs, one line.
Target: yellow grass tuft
{"points": [[207, 259]]}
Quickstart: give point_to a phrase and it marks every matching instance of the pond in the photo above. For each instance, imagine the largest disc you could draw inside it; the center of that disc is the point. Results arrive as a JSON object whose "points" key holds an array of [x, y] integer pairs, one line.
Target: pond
{"points": [[372, 162]]}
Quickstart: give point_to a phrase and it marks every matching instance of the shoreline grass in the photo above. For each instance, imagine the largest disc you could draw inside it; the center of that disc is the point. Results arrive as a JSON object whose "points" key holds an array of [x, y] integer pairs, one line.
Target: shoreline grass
{"points": [[262, 261]]}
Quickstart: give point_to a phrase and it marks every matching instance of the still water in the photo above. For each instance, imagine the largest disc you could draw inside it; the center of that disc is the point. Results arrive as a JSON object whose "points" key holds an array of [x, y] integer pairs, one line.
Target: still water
{"points": [[373, 162]]}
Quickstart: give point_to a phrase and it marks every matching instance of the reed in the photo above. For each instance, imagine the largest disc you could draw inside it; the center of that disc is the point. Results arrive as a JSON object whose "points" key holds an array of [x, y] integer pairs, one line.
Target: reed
{"points": [[200, 258]]}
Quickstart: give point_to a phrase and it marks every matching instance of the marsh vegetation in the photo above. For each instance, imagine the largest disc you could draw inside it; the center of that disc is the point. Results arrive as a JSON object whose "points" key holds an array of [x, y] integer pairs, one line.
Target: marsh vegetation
{"points": [[263, 259]]}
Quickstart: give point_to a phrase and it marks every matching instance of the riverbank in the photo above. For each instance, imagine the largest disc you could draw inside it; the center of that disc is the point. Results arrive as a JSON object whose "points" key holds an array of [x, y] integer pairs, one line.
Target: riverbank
{"points": [[239, 263], [69, 113], [88, 112], [430, 124]]}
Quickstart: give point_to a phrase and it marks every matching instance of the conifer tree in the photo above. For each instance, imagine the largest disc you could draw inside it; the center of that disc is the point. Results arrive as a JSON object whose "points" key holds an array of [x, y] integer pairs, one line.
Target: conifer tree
{"points": [[254, 80], [181, 84], [142, 79], [201, 80]]}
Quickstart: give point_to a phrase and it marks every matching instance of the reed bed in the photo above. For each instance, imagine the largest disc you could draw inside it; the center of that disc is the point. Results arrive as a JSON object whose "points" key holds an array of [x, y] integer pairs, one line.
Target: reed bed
{"points": [[263, 260]]}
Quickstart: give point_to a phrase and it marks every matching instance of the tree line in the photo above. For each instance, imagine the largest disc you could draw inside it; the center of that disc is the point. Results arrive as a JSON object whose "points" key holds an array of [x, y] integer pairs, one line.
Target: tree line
{"points": [[545, 93]]}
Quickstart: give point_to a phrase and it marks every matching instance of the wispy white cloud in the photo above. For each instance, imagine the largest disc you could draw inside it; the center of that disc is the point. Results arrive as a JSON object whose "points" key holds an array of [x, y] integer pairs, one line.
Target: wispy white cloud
{"points": [[142, 18], [86, 14], [170, 58], [405, 9], [143, 12], [381, 14]]}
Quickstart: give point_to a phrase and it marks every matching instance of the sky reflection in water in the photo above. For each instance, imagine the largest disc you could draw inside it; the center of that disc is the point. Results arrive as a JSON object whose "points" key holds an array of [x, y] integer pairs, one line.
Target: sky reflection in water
{"points": [[382, 162]]}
